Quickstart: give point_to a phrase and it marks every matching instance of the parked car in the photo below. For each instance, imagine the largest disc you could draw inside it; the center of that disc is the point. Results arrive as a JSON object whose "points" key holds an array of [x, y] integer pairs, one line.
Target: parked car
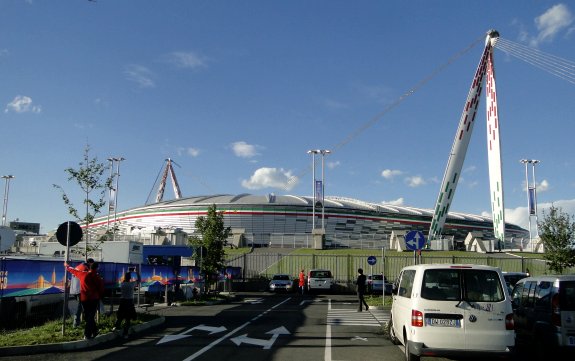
{"points": [[511, 278], [452, 310], [375, 284], [544, 314], [281, 282], [319, 279]]}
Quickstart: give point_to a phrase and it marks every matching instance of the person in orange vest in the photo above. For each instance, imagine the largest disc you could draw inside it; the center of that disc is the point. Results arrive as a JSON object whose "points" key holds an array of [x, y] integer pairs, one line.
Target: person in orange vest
{"points": [[91, 292], [302, 281]]}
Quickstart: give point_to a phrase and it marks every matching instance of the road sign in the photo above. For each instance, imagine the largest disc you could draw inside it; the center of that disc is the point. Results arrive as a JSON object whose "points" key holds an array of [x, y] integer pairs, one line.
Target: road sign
{"points": [[414, 240], [371, 260], [75, 233]]}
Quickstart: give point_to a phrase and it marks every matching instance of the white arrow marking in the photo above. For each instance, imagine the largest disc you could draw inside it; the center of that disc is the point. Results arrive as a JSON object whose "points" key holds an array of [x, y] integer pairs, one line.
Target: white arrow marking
{"points": [[265, 344], [304, 302], [178, 336], [359, 338]]}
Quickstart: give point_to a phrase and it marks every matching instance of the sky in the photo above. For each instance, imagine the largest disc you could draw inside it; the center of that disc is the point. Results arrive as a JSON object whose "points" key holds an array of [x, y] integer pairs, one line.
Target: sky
{"points": [[237, 92]]}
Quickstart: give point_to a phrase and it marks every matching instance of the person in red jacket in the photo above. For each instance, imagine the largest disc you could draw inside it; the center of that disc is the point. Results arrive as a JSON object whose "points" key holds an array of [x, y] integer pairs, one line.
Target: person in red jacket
{"points": [[91, 292]]}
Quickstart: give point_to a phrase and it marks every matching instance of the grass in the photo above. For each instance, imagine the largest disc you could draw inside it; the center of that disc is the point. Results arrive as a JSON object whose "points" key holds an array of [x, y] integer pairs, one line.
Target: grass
{"points": [[51, 331]]}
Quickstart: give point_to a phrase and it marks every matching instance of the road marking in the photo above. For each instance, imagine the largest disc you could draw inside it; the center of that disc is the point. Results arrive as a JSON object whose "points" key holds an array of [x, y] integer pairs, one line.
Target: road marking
{"points": [[266, 344], [359, 338], [208, 347], [327, 353], [178, 336]]}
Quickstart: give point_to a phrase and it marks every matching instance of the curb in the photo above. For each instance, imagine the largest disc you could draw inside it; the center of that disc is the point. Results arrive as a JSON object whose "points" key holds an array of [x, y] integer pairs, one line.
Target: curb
{"points": [[76, 345]]}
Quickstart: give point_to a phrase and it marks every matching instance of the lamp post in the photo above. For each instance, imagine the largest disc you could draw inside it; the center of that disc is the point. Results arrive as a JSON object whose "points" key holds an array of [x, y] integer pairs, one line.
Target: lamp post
{"points": [[531, 196], [7, 179], [323, 152], [111, 206], [313, 152], [117, 160]]}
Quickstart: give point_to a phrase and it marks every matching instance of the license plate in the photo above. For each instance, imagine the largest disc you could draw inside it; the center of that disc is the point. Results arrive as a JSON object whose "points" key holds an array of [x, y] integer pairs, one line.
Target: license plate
{"points": [[442, 322]]}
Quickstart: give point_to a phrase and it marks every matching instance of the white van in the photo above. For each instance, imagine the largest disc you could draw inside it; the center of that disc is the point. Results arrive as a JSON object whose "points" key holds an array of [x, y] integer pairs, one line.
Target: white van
{"points": [[319, 279], [452, 310]]}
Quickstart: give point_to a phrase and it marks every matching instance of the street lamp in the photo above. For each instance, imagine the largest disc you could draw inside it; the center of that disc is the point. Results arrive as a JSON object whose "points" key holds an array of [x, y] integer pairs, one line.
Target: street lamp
{"points": [[313, 152], [117, 160], [323, 152], [531, 196], [7, 179]]}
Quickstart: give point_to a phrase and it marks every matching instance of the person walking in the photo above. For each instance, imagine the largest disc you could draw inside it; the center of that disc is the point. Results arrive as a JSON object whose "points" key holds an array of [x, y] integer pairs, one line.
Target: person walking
{"points": [[127, 311], [75, 290], [302, 281], [91, 292], [360, 284]]}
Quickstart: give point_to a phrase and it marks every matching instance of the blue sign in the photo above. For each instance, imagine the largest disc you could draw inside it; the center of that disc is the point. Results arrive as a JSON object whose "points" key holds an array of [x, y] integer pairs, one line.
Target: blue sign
{"points": [[371, 260], [414, 240]]}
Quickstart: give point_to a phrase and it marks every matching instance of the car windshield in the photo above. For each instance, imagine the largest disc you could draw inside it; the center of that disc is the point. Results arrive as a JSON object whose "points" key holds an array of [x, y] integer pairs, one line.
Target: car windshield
{"points": [[320, 274], [377, 277], [281, 278], [456, 284]]}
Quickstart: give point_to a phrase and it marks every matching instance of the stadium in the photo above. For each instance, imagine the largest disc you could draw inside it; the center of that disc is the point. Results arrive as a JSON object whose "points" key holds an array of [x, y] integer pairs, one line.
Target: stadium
{"points": [[288, 221]]}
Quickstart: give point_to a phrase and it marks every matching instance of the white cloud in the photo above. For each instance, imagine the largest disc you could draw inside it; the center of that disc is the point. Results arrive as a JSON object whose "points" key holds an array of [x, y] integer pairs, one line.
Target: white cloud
{"points": [[140, 75], [397, 202], [190, 151], [551, 22], [542, 186], [332, 165], [187, 60], [22, 104], [244, 150], [390, 173], [271, 178], [416, 181], [519, 215]]}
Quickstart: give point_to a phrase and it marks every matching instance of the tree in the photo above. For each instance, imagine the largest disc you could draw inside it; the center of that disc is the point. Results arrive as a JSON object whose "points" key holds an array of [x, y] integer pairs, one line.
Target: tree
{"points": [[557, 232], [89, 176], [213, 238]]}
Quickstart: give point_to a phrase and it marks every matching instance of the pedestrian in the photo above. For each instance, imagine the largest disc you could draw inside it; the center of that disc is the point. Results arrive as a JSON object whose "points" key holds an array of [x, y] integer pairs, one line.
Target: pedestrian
{"points": [[127, 311], [302, 281], [360, 284], [75, 290], [91, 292]]}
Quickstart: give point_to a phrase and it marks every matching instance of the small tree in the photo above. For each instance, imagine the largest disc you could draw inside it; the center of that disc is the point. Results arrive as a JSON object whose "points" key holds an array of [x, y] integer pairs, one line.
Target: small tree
{"points": [[557, 232], [213, 238], [89, 176]]}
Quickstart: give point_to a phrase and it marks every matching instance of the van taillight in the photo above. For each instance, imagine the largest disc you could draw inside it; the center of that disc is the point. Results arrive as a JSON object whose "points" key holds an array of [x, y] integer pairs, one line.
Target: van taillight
{"points": [[509, 323], [416, 318], [555, 311]]}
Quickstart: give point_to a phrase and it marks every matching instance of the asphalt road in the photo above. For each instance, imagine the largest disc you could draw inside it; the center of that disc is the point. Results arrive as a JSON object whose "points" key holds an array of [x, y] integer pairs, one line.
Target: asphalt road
{"points": [[257, 326]]}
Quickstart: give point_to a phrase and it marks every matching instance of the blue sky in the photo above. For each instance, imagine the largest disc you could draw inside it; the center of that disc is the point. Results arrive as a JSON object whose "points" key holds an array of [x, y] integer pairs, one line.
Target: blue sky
{"points": [[237, 92]]}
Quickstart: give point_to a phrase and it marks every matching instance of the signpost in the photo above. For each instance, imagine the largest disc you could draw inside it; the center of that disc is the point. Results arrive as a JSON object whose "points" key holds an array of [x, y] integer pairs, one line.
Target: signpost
{"points": [[68, 234], [415, 241]]}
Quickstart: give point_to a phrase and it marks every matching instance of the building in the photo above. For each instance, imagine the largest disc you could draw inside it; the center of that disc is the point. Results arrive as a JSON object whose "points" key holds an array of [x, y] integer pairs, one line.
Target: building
{"points": [[268, 220]]}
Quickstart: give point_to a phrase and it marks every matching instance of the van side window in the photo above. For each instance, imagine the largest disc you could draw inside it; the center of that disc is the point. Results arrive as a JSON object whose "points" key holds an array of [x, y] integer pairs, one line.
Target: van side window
{"points": [[483, 286], [406, 283], [525, 301], [567, 295], [543, 295], [440, 284], [516, 296]]}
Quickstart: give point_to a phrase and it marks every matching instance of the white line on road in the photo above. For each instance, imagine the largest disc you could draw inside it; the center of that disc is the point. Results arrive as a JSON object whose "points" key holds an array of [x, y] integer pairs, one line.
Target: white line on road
{"points": [[327, 355], [208, 347]]}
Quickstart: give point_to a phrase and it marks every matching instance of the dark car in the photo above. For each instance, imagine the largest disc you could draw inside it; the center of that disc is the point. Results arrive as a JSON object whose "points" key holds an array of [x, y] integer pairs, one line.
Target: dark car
{"points": [[544, 314], [375, 284], [511, 278]]}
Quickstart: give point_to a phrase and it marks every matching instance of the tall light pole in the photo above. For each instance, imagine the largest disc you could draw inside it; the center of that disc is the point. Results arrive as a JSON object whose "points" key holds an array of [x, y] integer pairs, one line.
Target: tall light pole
{"points": [[117, 160], [531, 196], [323, 152], [313, 152], [111, 206], [7, 179]]}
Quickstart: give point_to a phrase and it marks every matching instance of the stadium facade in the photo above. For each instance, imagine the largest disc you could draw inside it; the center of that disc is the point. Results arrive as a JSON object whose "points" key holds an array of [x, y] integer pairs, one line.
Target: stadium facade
{"points": [[262, 220]]}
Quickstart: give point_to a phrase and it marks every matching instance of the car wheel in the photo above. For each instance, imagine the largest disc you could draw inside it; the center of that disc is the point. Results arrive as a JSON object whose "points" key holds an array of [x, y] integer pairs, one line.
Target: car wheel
{"points": [[408, 355], [391, 332]]}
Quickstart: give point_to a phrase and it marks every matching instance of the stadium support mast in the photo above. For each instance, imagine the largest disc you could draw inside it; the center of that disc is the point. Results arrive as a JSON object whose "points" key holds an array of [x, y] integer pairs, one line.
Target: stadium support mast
{"points": [[485, 71], [168, 169]]}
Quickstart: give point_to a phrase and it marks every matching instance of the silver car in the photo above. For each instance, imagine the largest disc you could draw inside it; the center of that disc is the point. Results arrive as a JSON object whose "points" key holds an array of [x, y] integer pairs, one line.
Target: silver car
{"points": [[281, 282]]}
